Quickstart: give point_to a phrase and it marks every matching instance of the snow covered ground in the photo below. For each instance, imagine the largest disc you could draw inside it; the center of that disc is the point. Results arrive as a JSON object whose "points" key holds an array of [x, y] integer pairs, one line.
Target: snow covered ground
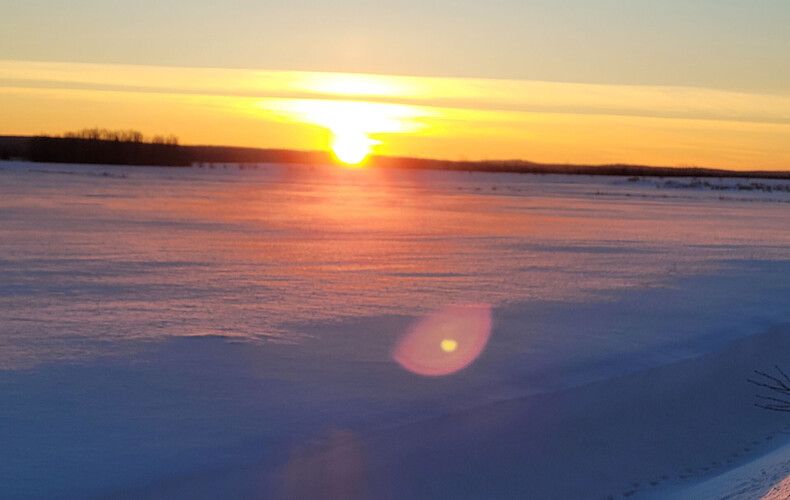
{"points": [[229, 333]]}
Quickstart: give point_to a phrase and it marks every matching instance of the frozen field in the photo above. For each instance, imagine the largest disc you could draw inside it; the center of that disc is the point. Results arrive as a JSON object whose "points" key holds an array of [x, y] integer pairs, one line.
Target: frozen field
{"points": [[229, 333]]}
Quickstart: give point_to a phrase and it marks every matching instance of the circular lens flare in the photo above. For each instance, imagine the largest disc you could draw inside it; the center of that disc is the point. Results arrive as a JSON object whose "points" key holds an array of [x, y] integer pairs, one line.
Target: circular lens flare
{"points": [[446, 341]]}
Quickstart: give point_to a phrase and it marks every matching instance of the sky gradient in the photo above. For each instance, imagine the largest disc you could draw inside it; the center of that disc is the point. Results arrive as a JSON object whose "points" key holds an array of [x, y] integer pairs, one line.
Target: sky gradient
{"points": [[667, 83]]}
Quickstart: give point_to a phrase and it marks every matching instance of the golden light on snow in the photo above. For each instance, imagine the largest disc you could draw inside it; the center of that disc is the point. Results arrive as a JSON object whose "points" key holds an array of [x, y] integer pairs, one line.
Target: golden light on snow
{"points": [[779, 491], [446, 341]]}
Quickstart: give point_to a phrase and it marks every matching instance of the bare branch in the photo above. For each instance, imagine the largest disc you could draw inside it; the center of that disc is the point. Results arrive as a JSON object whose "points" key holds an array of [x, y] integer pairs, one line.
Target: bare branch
{"points": [[776, 385], [783, 373], [779, 382]]}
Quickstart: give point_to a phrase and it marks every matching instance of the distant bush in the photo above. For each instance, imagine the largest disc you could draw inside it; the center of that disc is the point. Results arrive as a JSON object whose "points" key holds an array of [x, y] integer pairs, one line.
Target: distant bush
{"points": [[111, 147]]}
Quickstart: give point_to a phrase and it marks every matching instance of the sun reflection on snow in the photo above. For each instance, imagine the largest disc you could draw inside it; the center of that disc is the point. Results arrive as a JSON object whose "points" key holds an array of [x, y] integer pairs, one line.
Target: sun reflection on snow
{"points": [[446, 341]]}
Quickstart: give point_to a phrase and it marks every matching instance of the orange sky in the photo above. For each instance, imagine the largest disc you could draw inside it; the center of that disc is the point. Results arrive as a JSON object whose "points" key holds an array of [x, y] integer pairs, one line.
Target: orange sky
{"points": [[452, 118]]}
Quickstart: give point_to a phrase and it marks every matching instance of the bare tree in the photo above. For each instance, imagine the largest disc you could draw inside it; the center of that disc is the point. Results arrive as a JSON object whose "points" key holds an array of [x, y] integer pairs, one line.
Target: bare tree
{"points": [[778, 385]]}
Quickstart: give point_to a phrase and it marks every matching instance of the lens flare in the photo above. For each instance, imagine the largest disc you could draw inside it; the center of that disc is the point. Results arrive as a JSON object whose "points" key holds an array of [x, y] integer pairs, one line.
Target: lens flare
{"points": [[332, 467], [446, 341], [449, 345]]}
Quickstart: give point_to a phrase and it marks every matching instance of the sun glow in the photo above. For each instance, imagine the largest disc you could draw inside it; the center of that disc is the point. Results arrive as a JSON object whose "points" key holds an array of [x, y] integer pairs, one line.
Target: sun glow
{"points": [[352, 148], [449, 118], [351, 123], [348, 84]]}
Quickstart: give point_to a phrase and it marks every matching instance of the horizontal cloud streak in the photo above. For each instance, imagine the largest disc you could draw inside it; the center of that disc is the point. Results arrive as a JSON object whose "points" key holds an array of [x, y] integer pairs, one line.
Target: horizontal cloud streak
{"points": [[482, 94]]}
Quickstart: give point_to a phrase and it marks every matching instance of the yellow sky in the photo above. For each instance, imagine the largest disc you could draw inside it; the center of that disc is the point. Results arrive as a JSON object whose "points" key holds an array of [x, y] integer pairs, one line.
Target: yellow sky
{"points": [[450, 118]]}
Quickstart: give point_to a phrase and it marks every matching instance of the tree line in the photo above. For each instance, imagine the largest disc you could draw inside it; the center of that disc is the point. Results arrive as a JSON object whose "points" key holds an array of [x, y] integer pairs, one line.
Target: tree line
{"points": [[111, 147], [129, 147]]}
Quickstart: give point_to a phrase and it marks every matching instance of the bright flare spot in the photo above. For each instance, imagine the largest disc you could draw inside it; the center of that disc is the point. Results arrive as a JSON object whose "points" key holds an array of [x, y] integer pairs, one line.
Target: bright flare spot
{"points": [[449, 345], [446, 341]]}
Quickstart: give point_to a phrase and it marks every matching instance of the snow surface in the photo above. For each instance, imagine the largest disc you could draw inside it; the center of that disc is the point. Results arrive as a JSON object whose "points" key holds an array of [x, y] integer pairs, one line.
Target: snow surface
{"points": [[227, 333]]}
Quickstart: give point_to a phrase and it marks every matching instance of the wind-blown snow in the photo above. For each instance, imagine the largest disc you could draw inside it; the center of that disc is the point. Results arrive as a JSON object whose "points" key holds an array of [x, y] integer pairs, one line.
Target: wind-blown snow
{"points": [[217, 332]]}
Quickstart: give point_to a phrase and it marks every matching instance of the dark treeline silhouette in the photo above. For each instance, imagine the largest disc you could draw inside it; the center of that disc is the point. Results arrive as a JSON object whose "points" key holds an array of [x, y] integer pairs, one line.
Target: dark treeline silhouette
{"points": [[527, 167], [111, 147], [14, 147], [230, 154], [131, 148]]}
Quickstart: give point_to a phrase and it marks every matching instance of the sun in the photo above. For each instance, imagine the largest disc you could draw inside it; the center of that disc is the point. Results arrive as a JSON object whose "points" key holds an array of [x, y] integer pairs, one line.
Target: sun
{"points": [[352, 148], [351, 124]]}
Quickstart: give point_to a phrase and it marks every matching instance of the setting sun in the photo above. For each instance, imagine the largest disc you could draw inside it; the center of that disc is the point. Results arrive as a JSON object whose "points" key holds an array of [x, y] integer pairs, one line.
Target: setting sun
{"points": [[350, 123], [352, 148]]}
